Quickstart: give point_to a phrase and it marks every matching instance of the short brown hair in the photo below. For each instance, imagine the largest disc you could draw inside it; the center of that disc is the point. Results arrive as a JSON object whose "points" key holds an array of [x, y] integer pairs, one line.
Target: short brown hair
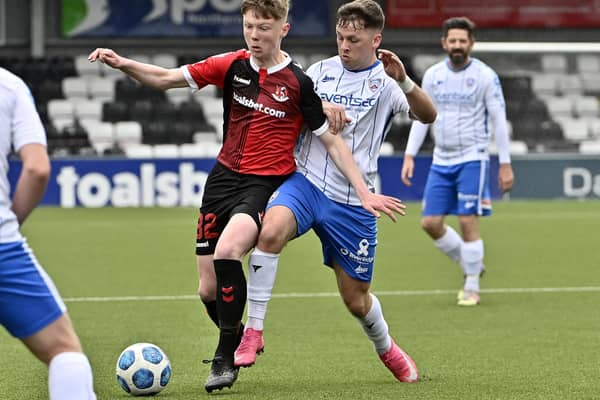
{"points": [[276, 9], [463, 23], [362, 12]]}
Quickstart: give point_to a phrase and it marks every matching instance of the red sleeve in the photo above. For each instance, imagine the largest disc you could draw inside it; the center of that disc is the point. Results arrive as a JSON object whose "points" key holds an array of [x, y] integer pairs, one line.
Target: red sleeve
{"points": [[212, 70]]}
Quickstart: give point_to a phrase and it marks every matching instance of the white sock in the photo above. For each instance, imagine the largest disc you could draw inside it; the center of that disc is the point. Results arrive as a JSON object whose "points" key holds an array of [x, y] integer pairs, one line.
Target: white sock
{"points": [[450, 244], [472, 263], [375, 327], [70, 377], [262, 271]]}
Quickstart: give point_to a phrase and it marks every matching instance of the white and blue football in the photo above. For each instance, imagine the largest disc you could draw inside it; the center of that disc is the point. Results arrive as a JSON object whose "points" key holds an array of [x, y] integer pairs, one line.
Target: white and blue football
{"points": [[143, 369]]}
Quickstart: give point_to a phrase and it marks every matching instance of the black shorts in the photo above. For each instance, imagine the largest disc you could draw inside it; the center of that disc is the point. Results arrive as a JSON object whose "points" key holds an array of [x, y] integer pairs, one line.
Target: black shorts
{"points": [[227, 193]]}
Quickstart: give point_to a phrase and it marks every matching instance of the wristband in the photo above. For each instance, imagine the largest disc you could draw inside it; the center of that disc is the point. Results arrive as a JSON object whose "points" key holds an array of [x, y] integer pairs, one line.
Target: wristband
{"points": [[407, 85]]}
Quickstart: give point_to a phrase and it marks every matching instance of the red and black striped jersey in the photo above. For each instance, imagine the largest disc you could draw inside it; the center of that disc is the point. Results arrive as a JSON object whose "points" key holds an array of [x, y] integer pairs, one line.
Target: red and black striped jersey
{"points": [[263, 110]]}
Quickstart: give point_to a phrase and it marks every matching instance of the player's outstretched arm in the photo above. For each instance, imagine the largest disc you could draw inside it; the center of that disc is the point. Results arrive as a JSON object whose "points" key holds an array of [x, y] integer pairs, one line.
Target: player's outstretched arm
{"points": [[421, 105], [372, 202], [147, 74]]}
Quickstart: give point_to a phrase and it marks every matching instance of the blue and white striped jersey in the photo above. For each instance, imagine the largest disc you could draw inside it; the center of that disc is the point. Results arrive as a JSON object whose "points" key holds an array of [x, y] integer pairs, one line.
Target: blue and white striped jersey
{"points": [[19, 125], [370, 98], [465, 100]]}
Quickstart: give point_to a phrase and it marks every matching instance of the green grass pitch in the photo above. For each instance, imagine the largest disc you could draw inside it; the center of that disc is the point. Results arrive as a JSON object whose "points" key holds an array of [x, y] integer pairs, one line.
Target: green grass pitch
{"points": [[129, 275]]}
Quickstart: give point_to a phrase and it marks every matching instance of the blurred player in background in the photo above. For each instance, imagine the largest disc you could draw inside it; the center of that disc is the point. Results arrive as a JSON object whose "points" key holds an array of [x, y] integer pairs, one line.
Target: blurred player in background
{"points": [[372, 87], [266, 100], [30, 307], [466, 92]]}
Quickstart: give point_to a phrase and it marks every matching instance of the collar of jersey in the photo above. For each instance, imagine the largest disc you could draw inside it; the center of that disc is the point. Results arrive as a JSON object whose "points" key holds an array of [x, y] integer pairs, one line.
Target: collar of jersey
{"points": [[376, 63], [448, 64], [274, 68]]}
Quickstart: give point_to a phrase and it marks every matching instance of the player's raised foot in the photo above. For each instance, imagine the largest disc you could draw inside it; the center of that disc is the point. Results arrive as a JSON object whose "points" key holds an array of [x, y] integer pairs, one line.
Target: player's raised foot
{"points": [[402, 366], [468, 298], [252, 344], [222, 374]]}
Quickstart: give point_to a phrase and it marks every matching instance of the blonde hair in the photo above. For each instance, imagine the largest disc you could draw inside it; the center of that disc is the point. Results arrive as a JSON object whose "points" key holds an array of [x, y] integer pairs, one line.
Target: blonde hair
{"points": [[276, 9]]}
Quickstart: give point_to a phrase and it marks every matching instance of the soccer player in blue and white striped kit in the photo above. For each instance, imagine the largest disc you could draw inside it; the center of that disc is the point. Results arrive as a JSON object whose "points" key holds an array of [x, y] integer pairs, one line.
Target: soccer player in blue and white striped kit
{"points": [[31, 308], [371, 85], [468, 96]]}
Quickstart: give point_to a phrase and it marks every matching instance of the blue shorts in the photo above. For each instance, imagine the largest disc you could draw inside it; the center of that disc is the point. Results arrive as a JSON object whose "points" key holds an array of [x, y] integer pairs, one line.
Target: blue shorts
{"points": [[348, 233], [29, 300], [461, 189]]}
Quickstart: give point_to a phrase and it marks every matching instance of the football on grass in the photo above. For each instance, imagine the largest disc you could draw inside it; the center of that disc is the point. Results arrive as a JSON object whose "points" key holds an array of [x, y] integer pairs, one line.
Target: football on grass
{"points": [[143, 369]]}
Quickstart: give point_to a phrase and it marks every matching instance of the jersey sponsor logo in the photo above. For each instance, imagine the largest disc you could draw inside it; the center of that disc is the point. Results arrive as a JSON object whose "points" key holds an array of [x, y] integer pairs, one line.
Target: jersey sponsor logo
{"points": [[256, 267], [246, 102], [361, 255], [374, 84], [467, 197], [455, 97], [363, 248], [273, 196], [361, 270], [280, 94], [244, 82], [350, 101], [327, 78]]}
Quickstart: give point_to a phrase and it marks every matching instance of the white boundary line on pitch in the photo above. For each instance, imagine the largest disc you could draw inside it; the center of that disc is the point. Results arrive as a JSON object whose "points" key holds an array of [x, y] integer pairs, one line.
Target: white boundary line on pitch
{"points": [[292, 295]]}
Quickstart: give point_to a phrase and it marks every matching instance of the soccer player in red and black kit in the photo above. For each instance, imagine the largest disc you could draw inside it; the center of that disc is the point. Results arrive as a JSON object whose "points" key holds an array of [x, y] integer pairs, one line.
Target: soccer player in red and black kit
{"points": [[266, 100]]}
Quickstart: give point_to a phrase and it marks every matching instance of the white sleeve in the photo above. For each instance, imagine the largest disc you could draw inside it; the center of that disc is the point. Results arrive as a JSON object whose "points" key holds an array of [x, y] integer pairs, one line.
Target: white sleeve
{"points": [[26, 124], [497, 110], [498, 117], [418, 130]]}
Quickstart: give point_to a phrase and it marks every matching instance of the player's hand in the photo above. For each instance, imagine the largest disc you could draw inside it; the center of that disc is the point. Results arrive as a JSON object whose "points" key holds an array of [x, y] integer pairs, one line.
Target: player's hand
{"points": [[336, 116], [106, 56], [506, 177], [392, 64], [408, 167], [389, 205]]}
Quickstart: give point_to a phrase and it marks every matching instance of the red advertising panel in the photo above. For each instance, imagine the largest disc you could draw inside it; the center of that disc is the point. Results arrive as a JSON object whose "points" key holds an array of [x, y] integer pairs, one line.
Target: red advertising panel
{"points": [[495, 14]]}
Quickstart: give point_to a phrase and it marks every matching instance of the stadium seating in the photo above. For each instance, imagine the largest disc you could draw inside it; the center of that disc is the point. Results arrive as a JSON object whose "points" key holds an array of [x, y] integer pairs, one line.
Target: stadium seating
{"points": [[101, 88], [101, 134], [587, 63], [85, 68], [75, 88], [88, 109], [128, 133], [166, 151], [139, 151], [554, 63], [574, 129], [164, 60], [589, 147], [551, 100]]}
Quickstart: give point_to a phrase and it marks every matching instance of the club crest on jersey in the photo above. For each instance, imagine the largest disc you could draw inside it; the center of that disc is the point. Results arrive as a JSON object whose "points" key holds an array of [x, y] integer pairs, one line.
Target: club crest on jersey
{"points": [[280, 94], [374, 84], [470, 82]]}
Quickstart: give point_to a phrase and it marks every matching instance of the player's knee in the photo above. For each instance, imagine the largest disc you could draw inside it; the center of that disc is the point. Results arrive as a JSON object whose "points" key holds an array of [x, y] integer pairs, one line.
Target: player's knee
{"points": [[207, 292], [432, 226], [271, 239], [357, 305], [53, 341]]}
